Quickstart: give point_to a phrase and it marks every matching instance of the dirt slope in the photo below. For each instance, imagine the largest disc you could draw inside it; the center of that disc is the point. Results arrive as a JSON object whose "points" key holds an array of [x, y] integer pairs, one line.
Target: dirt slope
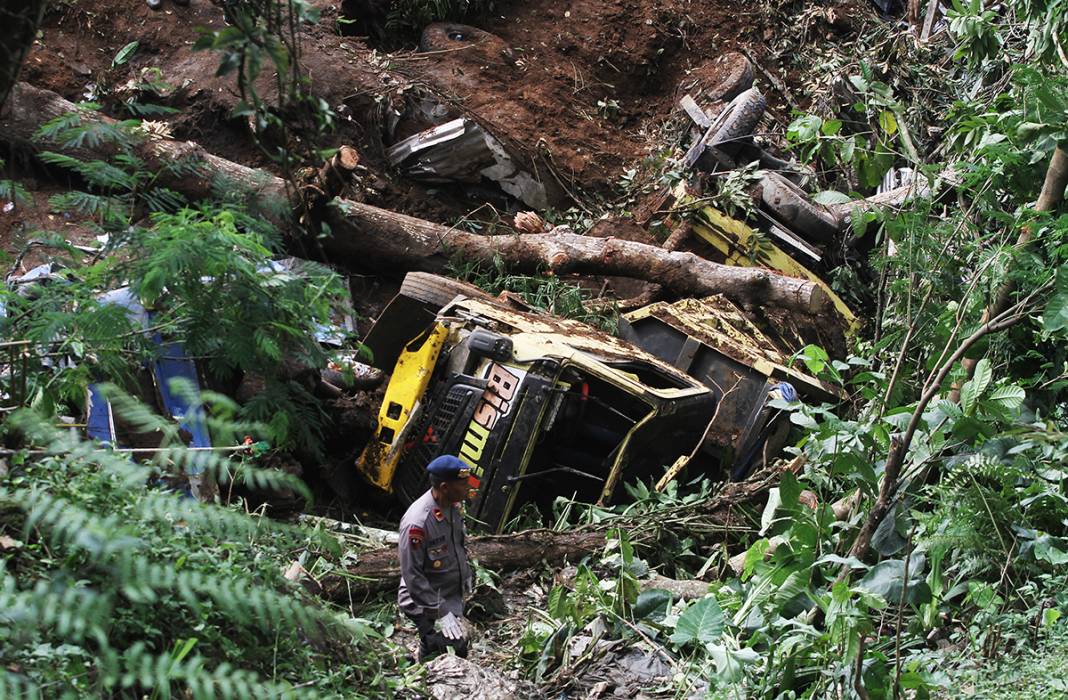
{"points": [[583, 89]]}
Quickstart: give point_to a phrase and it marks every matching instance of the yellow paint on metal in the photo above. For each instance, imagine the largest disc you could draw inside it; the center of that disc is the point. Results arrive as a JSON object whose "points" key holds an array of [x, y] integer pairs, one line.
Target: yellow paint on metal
{"points": [[616, 472], [743, 247], [412, 373], [717, 323]]}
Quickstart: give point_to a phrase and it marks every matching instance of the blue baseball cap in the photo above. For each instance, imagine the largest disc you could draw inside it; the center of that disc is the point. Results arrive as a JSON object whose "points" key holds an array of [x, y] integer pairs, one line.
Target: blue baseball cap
{"points": [[448, 467]]}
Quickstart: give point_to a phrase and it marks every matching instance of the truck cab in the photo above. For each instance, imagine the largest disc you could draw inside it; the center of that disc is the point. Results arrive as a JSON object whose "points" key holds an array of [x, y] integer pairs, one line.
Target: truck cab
{"points": [[536, 405]]}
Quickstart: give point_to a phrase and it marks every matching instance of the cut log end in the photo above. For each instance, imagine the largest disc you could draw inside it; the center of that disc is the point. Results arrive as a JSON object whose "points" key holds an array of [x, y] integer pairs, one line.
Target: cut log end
{"points": [[347, 158]]}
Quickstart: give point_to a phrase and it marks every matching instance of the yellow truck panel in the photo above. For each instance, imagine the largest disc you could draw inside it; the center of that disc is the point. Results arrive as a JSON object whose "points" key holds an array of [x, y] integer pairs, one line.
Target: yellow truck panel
{"points": [[409, 381]]}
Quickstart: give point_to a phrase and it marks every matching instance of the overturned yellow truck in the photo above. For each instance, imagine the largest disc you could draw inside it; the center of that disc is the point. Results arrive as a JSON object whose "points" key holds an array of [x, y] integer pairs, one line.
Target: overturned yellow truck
{"points": [[540, 406]]}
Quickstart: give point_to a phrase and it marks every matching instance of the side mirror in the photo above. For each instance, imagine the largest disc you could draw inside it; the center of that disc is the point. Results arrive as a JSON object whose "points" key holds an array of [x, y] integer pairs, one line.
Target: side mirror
{"points": [[492, 345]]}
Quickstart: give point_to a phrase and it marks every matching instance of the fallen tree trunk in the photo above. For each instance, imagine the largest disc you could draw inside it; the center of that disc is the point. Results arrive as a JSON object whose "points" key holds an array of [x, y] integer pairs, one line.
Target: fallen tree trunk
{"points": [[410, 243], [380, 569], [712, 520], [364, 235]]}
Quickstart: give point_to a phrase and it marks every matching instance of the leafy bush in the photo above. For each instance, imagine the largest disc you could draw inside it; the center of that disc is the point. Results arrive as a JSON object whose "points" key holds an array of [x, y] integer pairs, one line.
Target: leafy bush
{"points": [[206, 275], [110, 586]]}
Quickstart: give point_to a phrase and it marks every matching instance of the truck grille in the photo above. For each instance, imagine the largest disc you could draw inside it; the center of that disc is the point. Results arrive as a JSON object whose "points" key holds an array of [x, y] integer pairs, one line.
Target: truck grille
{"points": [[433, 436]]}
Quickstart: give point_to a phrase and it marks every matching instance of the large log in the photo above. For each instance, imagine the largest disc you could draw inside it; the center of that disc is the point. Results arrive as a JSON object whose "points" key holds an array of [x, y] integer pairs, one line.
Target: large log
{"points": [[380, 569], [366, 236], [712, 520], [409, 243]]}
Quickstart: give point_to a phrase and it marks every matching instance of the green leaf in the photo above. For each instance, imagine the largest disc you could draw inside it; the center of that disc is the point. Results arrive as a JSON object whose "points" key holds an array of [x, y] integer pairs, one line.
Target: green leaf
{"points": [[1055, 315], [768, 516], [984, 372], [838, 560], [887, 122], [701, 622], [831, 197], [557, 606], [1010, 396], [814, 357], [974, 388], [125, 53], [730, 662], [886, 578], [754, 555], [794, 585], [1046, 549], [652, 604]]}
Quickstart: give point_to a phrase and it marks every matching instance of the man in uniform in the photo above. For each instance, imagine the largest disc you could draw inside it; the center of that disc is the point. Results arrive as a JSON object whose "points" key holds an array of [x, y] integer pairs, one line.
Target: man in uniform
{"points": [[435, 574]]}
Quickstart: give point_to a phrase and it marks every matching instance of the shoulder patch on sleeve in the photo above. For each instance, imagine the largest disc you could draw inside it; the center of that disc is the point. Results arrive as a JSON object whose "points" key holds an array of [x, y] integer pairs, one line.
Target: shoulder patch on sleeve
{"points": [[416, 535]]}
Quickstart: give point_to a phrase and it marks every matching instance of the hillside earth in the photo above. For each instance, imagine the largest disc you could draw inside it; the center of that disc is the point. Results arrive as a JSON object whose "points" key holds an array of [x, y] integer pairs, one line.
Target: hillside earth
{"points": [[582, 91]]}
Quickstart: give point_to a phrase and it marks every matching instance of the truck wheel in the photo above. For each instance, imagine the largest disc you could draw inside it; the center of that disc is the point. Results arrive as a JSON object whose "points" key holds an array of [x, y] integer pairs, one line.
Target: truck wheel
{"points": [[735, 123], [790, 204], [737, 77], [739, 119], [443, 36], [436, 290]]}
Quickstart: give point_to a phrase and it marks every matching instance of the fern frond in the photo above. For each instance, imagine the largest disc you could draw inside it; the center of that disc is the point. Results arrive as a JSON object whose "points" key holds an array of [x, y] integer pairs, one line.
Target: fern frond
{"points": [[242, 601], [15, 685], [112, 210], [221, 522], [72, 613], [148, 109], [71, 527], [96, 172], [163, 199], [227, 469], [187, 166], [53, 129], [14, 192], [93, 134], [163, 674]]}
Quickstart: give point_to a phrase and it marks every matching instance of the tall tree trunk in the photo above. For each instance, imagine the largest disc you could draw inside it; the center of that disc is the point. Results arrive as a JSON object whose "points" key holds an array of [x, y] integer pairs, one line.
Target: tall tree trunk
{"points": [[20, 17], [1049, 199]]}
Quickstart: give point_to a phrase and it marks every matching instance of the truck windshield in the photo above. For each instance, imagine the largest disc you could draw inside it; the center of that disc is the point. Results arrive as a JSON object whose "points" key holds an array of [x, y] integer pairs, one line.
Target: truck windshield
{"points": [[651, 375]]}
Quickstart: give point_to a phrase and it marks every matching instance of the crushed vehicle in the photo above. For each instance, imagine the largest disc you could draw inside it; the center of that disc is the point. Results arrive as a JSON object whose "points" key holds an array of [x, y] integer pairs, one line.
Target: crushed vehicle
{"points": [[541, 407]]}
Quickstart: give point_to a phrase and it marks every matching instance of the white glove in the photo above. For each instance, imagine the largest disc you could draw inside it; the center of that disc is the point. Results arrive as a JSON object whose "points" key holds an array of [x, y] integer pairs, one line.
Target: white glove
{"points": [[452, 628]]}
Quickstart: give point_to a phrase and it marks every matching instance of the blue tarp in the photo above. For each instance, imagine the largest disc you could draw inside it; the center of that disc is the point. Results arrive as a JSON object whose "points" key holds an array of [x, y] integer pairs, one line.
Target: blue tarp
{"points": [[172, 364], [99, 422]]}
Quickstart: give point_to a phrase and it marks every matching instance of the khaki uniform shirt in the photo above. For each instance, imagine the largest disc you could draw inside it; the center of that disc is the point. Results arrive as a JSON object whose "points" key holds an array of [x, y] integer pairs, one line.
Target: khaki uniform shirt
{"points": [[434, 570]]}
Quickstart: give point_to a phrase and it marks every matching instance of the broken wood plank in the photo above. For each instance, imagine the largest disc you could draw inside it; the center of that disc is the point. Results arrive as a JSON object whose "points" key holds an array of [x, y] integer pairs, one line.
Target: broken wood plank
{"points": [[929, 20], [694, 111]]}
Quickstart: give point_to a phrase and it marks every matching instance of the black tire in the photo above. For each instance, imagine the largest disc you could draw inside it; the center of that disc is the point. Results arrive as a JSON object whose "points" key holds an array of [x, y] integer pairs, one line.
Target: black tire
{"points": [[437, 291], [738, 120], [443, 36], [738, 77], [732, 128], [789, 204]]}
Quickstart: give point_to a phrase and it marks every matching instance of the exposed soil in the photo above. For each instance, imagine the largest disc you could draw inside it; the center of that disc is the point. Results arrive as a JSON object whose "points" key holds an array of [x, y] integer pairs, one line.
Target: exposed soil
{"points": [[582, 90]]}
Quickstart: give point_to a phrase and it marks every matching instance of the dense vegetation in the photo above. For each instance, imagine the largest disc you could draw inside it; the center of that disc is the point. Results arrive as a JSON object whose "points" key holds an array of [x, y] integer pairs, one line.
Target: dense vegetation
{"points": [[921, 542]]}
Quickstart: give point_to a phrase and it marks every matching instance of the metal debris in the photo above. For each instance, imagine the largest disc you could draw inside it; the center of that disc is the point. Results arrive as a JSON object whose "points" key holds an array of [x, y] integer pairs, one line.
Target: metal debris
{"points": [[462, 151]]}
